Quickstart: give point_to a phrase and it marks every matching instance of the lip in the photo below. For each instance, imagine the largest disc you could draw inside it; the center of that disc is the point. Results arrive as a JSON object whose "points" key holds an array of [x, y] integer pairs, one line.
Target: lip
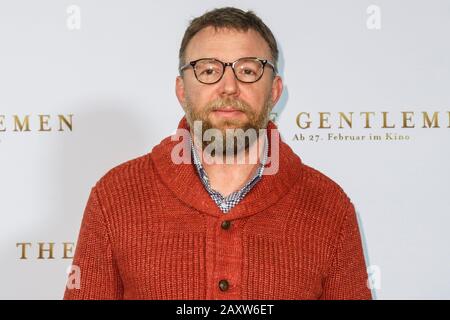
{"points": [[228, 112], [227, 109]]}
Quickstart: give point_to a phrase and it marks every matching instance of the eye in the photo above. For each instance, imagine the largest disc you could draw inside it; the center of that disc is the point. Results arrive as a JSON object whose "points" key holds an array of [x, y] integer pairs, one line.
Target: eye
{"points": [[248, 72], [208, 71]]}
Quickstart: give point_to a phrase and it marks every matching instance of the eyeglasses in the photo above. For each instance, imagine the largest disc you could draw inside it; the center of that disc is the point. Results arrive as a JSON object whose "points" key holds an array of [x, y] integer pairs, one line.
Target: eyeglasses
{"points": [[210, 70]]}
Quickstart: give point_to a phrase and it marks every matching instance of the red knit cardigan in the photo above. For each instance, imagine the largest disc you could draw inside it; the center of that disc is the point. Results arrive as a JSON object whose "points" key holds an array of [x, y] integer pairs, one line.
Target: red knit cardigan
{"points": [[151, 231]]}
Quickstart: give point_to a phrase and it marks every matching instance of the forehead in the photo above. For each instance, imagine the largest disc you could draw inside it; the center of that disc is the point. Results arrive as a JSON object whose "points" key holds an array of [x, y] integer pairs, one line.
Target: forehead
{"points": [[227, 45]]}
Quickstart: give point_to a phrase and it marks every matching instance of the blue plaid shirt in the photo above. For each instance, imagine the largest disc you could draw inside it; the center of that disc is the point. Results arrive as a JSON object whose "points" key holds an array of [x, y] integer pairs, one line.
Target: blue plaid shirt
{"points": [[226, 203]]}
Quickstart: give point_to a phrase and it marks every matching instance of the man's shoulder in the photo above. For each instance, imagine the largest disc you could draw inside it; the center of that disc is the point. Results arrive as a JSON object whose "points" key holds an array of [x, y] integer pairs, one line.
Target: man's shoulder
{"points": [[135, 167], [319, 185], [126, 173]]}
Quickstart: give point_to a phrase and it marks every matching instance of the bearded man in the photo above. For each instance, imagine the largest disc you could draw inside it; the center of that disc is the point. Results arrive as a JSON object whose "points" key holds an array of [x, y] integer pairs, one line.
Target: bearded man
{"points": [[224, 209]]}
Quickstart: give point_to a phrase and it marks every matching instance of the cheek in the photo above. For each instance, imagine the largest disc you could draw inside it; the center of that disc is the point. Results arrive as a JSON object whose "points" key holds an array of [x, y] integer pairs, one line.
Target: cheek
{"points": [[198, 96], [257, 99]]}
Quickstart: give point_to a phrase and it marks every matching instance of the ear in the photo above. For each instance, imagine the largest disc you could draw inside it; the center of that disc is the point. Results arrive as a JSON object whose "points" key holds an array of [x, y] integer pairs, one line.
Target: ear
{"points": [[277, 89], [179, 91]]}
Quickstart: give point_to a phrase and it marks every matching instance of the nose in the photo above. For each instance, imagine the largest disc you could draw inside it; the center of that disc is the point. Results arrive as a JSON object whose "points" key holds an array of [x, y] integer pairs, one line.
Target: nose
{"points": [[229, 84]]}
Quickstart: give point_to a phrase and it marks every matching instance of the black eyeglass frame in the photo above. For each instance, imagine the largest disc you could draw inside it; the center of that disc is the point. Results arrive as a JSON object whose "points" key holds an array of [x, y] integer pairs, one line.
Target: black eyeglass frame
{"points": [[263, 62]]}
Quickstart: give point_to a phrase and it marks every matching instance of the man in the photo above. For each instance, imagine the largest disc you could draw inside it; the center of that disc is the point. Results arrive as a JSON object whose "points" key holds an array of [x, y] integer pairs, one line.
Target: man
{"points": [[161, 227]]}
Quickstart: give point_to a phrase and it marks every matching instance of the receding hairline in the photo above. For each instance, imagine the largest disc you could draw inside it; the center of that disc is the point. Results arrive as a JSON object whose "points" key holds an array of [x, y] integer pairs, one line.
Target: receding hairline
{"points": [[220, 29], [229, 18]]}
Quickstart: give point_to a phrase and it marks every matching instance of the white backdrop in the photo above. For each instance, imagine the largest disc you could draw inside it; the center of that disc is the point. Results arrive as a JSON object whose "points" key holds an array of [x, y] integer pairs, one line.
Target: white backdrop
{"points": [[109, 67]]}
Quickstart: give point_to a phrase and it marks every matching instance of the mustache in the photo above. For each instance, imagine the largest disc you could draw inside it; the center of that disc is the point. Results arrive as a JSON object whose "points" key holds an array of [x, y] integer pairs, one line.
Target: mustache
{"points": [[237, 104]]}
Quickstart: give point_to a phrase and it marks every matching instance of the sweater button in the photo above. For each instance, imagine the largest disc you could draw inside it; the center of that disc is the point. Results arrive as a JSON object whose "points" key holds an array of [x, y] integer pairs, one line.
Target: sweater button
{"points": [[223, 285], [225, 225]]}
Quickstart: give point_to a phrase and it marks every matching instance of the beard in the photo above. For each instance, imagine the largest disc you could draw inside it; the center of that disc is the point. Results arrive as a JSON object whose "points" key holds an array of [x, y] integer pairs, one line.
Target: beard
{"points": [[233, 137]]}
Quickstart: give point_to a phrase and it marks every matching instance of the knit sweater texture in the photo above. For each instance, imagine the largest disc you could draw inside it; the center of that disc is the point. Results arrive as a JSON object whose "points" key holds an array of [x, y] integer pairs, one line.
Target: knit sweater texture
{"points": [[150, 230]]}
